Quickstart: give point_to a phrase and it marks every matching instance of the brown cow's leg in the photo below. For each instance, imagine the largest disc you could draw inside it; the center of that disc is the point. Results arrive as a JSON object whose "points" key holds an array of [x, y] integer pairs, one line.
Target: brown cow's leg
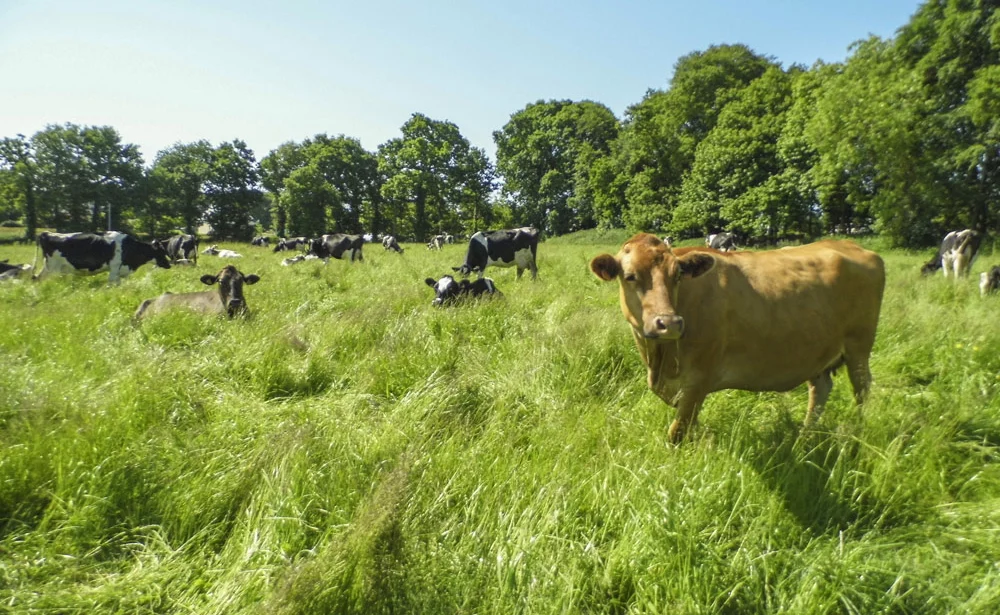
{"points": [[861, 377], [819, 392], [688, 405]]}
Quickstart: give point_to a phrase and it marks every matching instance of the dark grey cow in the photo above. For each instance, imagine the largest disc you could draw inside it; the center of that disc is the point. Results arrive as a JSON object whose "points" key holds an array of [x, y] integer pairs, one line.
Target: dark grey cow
{"points": [[117, 253], [507, 248], [989, 281], [291, 244], [228, 299], [724, 242], [448, 289], [182, 247], [389, 243], [337, 245], [955, 255]]}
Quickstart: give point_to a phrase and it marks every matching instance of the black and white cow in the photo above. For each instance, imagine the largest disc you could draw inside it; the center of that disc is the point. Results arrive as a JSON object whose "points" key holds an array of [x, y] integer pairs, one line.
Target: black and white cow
{"points": [[989, 281], [958, 250], [389, 243], [291, 243], [507, 248], [11, 272], [261, 241], [448, 289], [182, 247], [724, 242], [228, 299], [667, 239], [221, 253], [337, 245], [436, 242], [449, 238], [118, 253]]}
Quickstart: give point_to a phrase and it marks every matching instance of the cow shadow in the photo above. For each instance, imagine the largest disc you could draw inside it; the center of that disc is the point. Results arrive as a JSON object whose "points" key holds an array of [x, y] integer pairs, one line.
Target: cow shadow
{"points": [[819, 477]]}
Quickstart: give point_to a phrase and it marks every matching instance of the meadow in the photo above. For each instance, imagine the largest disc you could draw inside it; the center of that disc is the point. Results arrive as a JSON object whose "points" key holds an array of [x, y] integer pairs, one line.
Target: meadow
{"points": [[350, 449]]}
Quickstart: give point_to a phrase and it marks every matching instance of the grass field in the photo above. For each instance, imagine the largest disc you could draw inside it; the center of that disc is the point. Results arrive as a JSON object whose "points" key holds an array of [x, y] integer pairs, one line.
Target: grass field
{"points": [[350, 449]]}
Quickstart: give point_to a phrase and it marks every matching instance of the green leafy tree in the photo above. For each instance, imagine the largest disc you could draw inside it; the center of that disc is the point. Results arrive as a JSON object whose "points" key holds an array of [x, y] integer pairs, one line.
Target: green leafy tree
{"points": [[232, 190], [545, 153], [275, 168], [17, 157], [430, 171], [661, 133], [733, 183], [178, 179]]}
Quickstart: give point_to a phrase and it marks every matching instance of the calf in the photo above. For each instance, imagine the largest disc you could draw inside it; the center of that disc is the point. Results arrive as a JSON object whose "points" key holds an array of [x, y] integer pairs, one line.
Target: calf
{"points": [[298, 259], [448, 290], [215, 251], [182, 247], [989, 282], [389, 243], [228, 299], [85, 253], [955, 255], [724, 242], [707, 321], [291, 244], [501, 249], [336, 246]]}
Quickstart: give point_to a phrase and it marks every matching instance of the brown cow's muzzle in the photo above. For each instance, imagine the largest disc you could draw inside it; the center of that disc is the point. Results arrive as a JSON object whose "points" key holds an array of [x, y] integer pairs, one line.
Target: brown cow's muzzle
{"points": [[663, 326]]}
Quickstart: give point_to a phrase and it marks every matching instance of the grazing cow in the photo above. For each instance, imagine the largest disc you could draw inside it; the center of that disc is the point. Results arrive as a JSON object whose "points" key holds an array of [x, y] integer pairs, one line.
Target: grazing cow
{"points": [[118, 253], [447, 289], [706, 321], [436, 242], [228, 299], [215, 251], [958, 250], [291, 244], [389, 243], [182, 247], [502, 249], [336, 246], [989, 282], [724, 242], [449, 238], [261, 241]]}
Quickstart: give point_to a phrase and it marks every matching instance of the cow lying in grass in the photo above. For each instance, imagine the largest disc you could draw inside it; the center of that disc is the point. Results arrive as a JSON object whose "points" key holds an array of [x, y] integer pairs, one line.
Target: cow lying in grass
{"points": [[228, 299], [448, 290]]}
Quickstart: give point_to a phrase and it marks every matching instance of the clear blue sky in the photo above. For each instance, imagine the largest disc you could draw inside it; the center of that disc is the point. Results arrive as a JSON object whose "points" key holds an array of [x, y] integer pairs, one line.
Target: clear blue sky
{"points": [[270, 72]]}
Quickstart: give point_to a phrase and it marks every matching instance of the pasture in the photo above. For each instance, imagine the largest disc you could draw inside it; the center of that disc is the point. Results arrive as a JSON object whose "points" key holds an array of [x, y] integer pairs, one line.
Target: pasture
{"points": [[350, 449]]}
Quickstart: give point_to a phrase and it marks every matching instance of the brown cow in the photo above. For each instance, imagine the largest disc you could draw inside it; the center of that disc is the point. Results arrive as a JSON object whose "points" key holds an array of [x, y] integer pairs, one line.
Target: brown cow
{"points": [[228, 299], [705, 320]]}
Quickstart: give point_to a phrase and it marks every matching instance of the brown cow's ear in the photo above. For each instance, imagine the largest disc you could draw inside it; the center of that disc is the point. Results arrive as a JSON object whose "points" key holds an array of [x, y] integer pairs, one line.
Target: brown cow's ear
{"points": [[209, 279], [695, 264], [605, 267]]}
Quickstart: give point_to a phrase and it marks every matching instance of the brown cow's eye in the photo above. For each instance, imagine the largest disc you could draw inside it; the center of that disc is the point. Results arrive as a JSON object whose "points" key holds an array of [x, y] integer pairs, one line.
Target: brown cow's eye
{"points": [[630, 277]]}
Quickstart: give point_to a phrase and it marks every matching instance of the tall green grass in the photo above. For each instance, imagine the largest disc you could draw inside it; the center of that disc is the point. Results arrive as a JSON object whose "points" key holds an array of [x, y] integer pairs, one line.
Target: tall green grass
{"points": [[350, 449]]}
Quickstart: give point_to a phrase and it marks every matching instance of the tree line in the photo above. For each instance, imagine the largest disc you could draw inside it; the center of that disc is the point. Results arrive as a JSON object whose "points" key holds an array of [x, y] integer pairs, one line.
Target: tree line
{"points": [[902, 138]]}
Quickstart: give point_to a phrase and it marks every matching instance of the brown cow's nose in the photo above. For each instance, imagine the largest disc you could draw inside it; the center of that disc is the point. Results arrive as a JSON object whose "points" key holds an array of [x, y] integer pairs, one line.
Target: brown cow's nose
{"points": [[665, 325]]}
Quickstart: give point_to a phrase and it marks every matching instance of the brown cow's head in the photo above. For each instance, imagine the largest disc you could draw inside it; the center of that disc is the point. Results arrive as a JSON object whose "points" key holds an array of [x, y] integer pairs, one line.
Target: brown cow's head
{"points": [[231, 282], [650, 275]]}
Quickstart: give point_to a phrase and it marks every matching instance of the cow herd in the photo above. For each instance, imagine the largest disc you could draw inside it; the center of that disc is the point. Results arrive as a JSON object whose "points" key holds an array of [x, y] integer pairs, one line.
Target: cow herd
{"points": [[704, 319]]}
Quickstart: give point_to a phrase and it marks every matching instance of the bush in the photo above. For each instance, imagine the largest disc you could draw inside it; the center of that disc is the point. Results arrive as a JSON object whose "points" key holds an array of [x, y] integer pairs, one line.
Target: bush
{"points": [[11, 224]]}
